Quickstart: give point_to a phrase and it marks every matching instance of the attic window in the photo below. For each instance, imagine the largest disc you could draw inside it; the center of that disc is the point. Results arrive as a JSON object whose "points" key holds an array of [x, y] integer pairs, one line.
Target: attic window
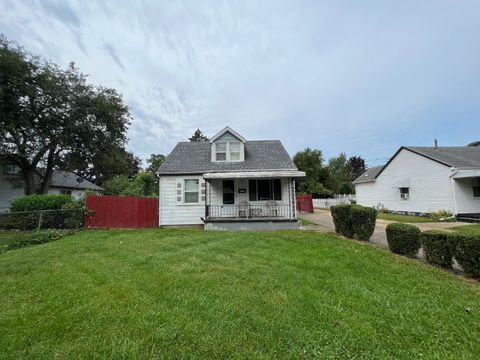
{"points": [[234, 151], [476, 187], [221, 152]]}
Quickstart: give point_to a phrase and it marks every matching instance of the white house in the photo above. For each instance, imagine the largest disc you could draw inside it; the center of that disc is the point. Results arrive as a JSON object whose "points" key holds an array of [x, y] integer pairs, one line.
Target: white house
{"points": [[425, 179], [229, 183], [63, 182]]}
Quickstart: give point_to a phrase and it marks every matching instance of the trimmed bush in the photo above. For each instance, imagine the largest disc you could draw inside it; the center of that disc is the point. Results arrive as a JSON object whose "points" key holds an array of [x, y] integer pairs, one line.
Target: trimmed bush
{"points": [[342, 220], [467, 253], [438, 247], [363, 221], [403, 239], [40, 202]]}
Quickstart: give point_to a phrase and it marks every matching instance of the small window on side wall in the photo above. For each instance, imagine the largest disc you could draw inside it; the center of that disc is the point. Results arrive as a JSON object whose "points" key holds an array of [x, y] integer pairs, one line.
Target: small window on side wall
{"points": [[404, 193], [191, 191], [476, 187], [11, 169], [66, 192]]}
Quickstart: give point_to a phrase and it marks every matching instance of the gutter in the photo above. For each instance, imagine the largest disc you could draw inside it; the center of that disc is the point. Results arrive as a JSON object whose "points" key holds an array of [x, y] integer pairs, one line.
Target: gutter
{"points": [[452, 188]]}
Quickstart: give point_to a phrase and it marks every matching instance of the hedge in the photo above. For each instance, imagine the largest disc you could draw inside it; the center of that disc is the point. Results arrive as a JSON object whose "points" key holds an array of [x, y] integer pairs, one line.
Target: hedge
{"points": [[342, 220], [363, 221], [40, 202], [467, 253], [438, 247], [403, 239]]}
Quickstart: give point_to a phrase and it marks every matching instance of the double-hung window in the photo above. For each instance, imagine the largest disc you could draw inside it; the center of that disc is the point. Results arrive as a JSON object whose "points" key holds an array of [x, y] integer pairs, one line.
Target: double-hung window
{"points": [[221, 151], [404, 193], [476, 187], [227, 151], [191, 193], [234, 151]]}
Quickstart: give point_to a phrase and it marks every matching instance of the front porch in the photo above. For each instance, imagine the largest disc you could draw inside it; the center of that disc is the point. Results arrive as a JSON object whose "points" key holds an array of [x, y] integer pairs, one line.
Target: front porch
{"points": [[250, 201]]}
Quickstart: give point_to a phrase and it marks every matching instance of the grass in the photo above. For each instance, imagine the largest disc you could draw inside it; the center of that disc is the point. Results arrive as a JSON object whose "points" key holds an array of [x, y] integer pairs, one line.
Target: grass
{"points": [[143, 294], [467, 229], [304, 221], [404, 218], [8, 237]]}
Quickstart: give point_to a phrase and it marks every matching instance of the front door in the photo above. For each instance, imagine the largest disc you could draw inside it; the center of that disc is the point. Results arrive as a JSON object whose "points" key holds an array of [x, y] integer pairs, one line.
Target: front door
{"points": [[228, 192]]}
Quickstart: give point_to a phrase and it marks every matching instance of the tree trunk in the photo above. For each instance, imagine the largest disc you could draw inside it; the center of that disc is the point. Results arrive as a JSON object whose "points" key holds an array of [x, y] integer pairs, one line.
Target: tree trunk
{"points": [[29, 178], [47, 176]]}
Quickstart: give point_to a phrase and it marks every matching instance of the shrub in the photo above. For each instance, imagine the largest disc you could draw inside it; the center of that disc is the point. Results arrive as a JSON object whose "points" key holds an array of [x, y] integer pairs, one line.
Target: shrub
{"points": [[363, 221], [37, 238], [40, 202], [467, 253], [403, 239], [438, 247], [73, 215], [441, 215], [342, 220]]}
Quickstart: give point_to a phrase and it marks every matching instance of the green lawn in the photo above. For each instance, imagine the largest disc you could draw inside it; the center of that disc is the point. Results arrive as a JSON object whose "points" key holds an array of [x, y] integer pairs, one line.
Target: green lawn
{"points": [[468, 229], [143, 294], [8, 237], [403, 218]]}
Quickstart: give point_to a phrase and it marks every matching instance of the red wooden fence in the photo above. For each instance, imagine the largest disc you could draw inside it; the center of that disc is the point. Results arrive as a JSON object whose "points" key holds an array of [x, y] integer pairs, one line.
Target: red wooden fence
{"points": [[121, 212], [305, 203]]}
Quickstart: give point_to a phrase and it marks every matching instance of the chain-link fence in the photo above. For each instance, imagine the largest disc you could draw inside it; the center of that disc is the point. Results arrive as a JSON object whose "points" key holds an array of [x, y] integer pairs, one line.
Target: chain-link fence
{"points": [[43, 219]]}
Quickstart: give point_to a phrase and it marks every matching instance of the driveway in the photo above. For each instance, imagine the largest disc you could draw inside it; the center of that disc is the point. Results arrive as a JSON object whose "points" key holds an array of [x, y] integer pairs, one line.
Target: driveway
{"points": [[323, 222]]}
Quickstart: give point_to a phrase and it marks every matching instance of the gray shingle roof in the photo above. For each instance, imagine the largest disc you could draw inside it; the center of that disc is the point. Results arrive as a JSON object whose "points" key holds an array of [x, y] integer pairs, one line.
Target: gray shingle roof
{"points": [[195, 157], [460, 157], [67, 179], [368, 175]]}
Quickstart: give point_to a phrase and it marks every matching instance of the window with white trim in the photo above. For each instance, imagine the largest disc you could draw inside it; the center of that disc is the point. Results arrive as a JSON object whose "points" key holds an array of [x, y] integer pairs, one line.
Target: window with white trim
{"points": [[191, 191], [234, 151], [221, 151], [404, 193], [476, 187], [66, 192]]}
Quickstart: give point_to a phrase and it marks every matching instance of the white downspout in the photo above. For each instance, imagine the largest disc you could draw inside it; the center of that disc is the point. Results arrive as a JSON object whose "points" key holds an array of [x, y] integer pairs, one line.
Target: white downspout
{"points": [[452, 187], [159, 199]]}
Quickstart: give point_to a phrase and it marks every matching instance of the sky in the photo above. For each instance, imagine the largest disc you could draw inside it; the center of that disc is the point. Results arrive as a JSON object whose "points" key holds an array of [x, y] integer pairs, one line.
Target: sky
{"points": [[360, 77]]}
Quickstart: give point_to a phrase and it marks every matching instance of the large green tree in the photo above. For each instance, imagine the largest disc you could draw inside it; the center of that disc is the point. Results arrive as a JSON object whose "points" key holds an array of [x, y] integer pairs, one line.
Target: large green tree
{"points": [[358, 166], [311, 162], [143, 184], [154, 162], [340, 175], [48, 113]]}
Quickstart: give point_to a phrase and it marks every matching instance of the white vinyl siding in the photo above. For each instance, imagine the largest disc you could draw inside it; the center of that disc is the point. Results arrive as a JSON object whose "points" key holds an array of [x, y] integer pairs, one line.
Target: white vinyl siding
{"points": [[11, 187], [465, 200], [174, 212], [428, 181]]}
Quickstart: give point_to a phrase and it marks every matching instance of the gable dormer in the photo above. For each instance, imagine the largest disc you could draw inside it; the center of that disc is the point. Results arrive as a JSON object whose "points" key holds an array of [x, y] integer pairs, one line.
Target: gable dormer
{"points": [[228, 146]]}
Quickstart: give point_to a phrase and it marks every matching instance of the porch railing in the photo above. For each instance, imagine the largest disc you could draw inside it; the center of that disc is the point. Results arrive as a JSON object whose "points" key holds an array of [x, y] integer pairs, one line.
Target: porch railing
{"points": [[249, 211]]}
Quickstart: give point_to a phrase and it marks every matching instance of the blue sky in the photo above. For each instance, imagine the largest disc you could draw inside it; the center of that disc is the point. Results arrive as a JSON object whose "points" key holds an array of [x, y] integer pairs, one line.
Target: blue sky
{"points": [[360, 77]]}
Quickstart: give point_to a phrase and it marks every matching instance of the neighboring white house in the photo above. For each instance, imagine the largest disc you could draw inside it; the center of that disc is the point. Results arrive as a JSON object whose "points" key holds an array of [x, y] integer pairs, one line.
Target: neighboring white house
{"points": [[423, 180], [63, 182], [229, 183]]}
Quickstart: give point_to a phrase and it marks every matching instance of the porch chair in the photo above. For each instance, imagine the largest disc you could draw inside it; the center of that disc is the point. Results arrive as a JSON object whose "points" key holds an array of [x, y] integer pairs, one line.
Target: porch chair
{"points": [[243, 209], [272, 209]]}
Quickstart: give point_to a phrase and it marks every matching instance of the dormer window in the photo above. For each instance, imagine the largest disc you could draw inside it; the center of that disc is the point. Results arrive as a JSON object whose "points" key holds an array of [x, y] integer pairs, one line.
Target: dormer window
{"points": [[221, 151], [228, 146], [234, 151]]}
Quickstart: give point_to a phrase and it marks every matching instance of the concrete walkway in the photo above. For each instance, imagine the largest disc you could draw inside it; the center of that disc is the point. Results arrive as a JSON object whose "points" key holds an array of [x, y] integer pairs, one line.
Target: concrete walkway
{"points": [[323, 222]]}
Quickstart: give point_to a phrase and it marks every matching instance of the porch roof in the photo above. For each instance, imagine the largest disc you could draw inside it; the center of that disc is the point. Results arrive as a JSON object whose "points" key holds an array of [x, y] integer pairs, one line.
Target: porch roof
{"points": [[255, 174], [462, 174]]}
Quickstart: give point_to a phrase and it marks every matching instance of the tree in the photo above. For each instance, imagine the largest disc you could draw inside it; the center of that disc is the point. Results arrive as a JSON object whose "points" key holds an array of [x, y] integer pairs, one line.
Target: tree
{"points": [[154, 162], [102, 166], [198, 135], [475, 143], [47, 113], [340, 175], [358, 166], [142, 185], [311, 161]]}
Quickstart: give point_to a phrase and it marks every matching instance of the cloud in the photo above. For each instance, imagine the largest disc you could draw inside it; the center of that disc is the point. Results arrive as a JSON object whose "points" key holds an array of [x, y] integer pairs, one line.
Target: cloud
{"points": [[360, 78]]}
